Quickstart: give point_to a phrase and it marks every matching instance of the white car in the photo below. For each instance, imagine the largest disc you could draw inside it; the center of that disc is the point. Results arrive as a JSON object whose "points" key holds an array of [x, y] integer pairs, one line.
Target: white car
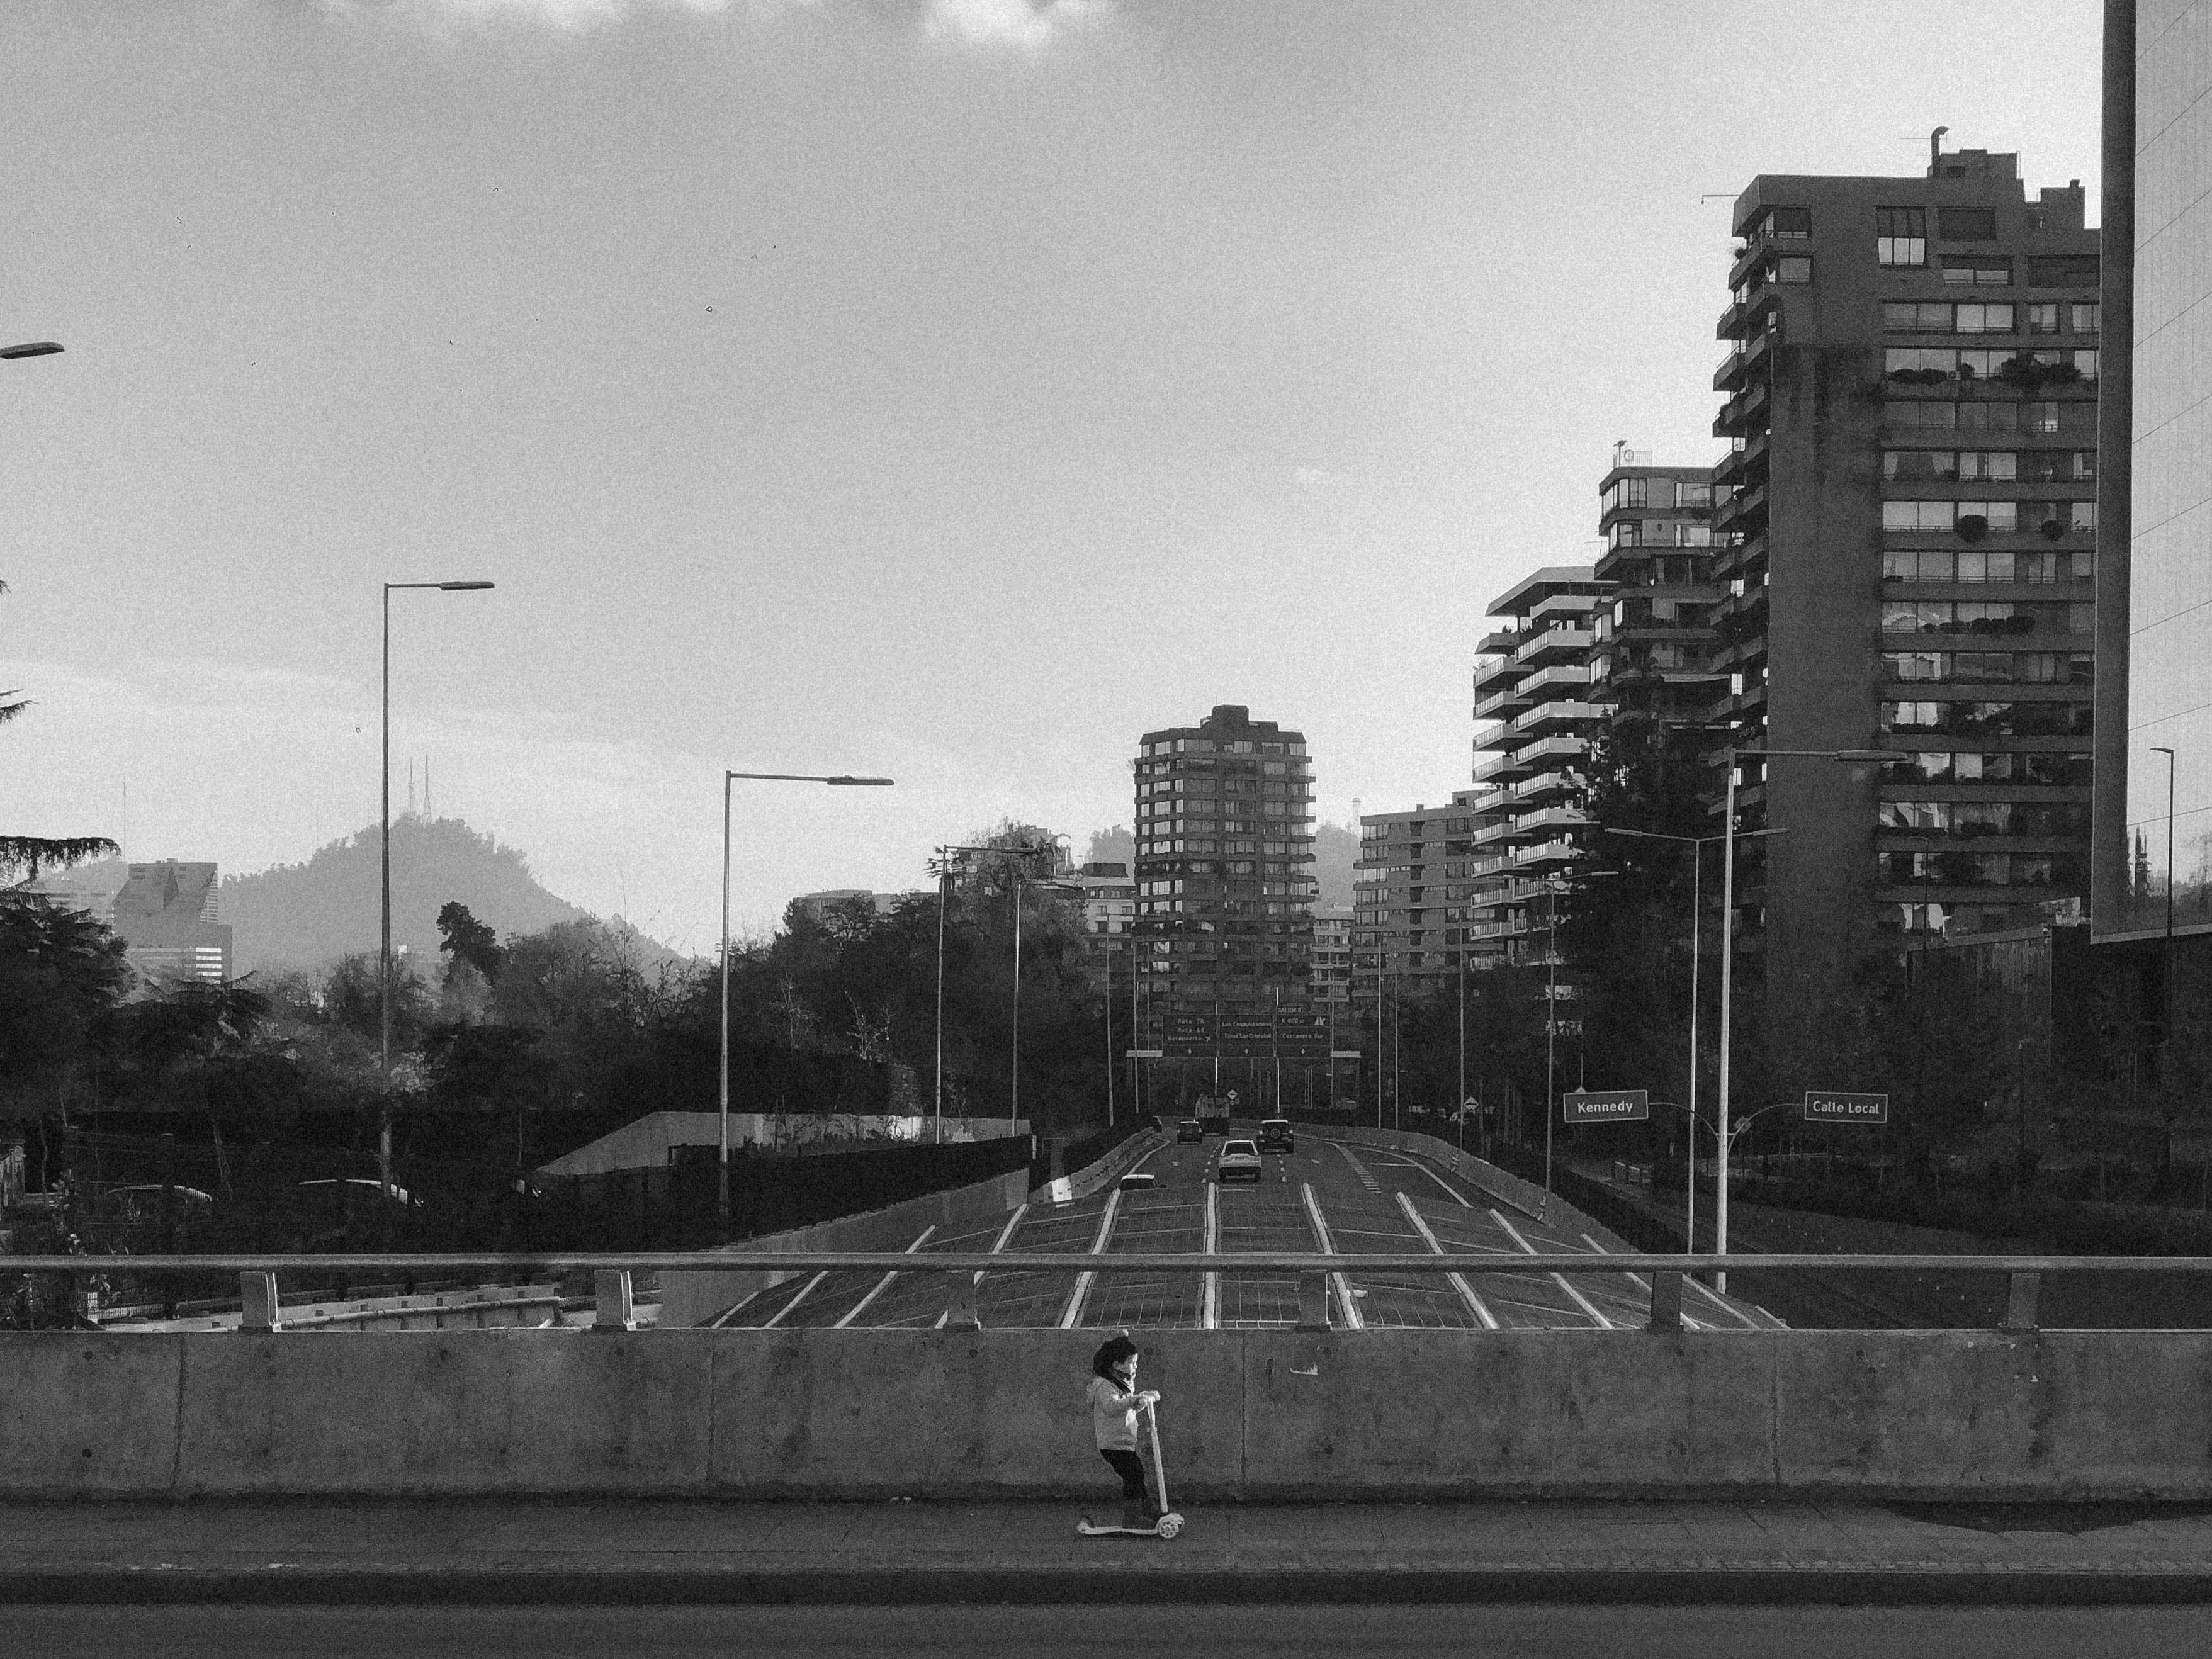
{"points": [[1239, 1160]]}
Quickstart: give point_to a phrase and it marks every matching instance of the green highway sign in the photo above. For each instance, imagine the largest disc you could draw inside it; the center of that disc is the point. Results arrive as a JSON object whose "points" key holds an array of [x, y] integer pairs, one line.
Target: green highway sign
{"points": [[1825, 1106], [1605, 1105]]}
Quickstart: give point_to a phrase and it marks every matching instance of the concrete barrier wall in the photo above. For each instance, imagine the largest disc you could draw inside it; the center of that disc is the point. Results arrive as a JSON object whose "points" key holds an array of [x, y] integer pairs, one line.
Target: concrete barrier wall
{"points": [[1248, 1414], [693, 1298]]}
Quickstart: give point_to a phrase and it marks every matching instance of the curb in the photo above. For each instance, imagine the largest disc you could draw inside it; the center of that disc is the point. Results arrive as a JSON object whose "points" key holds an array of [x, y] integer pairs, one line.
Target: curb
{"points": [[281, 1585]]}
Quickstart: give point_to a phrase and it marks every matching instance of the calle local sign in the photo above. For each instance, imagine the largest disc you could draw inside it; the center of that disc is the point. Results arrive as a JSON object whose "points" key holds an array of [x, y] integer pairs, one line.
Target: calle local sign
{"points": [[1605, 1105], [1827, 1107]]}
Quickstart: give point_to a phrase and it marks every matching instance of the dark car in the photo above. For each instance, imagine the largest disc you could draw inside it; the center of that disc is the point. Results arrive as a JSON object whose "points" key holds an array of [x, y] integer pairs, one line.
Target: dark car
{"points": [[1277, 1136], [1189, 1129]]}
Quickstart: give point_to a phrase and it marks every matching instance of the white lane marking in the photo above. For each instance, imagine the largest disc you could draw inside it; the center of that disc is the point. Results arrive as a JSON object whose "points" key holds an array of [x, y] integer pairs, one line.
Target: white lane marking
{"points": [[998, 1245], [884, 1283], [1345, 1298], [1359, 1169], [1459, 1281], [1581, 1301], [805, 1290], [1642, 1284], [1209, 1299], [1073, 1317]]}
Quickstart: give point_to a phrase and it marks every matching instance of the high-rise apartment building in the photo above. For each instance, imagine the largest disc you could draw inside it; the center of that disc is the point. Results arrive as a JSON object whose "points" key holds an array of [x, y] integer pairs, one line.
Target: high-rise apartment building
{"points": [[1224, 896], [1408, 896], [1653, 640], [1908, 553], [1331, 960], [1537, 717]]}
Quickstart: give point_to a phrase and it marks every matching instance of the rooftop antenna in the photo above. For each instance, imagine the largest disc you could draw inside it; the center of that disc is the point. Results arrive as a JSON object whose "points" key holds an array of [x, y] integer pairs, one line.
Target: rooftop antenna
{"points": [[1935, 151]]}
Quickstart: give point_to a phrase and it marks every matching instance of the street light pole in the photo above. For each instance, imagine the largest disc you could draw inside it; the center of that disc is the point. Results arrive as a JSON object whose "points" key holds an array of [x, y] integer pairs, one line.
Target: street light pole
{"points": [[838, 780], [383, 864], [1728, 962], [2166, 1043]]}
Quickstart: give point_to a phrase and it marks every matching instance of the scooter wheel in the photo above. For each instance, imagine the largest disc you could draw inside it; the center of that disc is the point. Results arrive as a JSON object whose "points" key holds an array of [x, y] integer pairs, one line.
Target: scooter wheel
{"points": [[1170, 1525]]}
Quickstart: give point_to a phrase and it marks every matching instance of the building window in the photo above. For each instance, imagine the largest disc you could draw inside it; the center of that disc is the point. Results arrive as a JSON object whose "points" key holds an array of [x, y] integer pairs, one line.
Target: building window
{"points": [[2085, 463], [2085, 363], [1967, 224], [2086, 317], [1917, 316], [1983, 318], [1990, 417], [2066, 271], [1921, 414], [2043, 317], [1981, 269], [1907, 517], [1989, 465], [1901, 236], [2035, 418], [1924, 465], [1925, 364], [2082, 518], [1792, 269]]}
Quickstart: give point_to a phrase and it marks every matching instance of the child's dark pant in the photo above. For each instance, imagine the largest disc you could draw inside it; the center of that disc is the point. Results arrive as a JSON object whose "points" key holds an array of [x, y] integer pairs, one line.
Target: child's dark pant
{"points": [[1131, 1469]]}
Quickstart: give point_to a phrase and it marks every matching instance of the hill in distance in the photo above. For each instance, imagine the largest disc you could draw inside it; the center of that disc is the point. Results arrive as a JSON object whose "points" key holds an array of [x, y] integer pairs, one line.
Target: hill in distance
{"points": [[307, 915]]}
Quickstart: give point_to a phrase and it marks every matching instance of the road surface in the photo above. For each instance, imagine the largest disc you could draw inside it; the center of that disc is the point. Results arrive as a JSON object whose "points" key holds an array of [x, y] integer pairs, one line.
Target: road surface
{"points": [[1328, 1196]]}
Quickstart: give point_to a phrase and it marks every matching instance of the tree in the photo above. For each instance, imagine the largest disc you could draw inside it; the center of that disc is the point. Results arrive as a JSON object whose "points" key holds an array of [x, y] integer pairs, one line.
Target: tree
{"points": [[469, 941], [29, 852], [60, 971]]}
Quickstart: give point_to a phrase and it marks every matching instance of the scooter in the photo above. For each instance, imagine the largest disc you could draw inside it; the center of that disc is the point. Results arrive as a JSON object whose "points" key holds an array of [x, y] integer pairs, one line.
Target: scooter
{"points": [[1170, 1523]]}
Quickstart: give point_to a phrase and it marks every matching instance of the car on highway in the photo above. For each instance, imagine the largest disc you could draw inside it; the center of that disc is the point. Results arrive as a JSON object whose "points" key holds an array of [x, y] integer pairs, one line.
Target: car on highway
{"points": [[1239, 1161], [1188, 1130], [1277, 1136]]}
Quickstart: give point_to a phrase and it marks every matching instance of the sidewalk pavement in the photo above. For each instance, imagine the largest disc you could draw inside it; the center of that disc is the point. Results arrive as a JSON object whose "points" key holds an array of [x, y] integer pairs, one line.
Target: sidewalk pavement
{"points": [[566, 1551]]}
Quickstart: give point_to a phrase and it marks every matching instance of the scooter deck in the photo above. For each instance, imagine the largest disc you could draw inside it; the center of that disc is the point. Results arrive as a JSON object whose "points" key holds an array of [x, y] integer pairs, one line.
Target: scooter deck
{"points": [[1087, 1529]]}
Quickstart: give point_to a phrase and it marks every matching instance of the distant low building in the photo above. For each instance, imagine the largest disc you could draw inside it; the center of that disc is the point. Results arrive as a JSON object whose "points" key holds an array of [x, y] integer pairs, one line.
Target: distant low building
{"points": [[820, 906], [165, 915]]}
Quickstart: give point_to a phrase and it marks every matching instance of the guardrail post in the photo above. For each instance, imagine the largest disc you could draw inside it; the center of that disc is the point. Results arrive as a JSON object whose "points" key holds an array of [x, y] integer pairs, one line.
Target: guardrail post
{"points": [[1666, 1301], [2022, 1291], [1313, 1302], [257, 1302], [612, 1288], [960, 1302]]}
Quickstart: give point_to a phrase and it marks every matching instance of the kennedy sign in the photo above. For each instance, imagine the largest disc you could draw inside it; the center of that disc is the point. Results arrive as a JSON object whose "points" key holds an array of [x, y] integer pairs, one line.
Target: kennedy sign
{"points": [[1825, 1108], [1606, 1106]]}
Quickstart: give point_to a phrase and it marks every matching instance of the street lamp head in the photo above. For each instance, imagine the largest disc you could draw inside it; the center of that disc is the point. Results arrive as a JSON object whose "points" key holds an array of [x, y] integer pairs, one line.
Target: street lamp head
{"points": [[463, 588], [843, 782], [32, 348], [2161, 748]]}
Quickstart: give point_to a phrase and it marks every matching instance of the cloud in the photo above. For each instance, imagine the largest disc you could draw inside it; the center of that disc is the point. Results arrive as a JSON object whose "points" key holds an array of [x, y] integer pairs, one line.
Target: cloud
{"points": [[566, 16], [1009, 22], [1022, 23]]}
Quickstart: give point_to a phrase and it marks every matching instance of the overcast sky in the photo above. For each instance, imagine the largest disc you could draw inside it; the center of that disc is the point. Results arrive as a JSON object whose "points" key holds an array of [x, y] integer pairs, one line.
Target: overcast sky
{"points": [[952, 389]]}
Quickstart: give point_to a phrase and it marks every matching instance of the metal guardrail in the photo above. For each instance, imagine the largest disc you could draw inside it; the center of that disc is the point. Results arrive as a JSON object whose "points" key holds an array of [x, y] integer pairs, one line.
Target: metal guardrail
{"points": [[962, 1270]]}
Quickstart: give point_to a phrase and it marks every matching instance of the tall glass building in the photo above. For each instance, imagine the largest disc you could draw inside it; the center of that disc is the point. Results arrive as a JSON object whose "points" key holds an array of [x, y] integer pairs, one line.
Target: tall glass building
{"points": [[2155, 587]]}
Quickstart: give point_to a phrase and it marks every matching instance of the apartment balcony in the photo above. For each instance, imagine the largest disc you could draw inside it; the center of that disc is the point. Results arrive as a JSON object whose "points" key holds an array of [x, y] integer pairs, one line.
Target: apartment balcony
{"points": [[1549, 856], [1500, 642], [1746, 508], [1569, 678], [1501, 705], [1730, 370], [1549, 786], [1553, 642], [1743, 411], [1557, 716], [1549, 823]]}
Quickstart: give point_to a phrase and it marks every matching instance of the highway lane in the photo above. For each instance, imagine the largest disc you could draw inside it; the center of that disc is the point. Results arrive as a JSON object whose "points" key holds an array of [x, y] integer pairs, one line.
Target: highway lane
{"points": [[1495, 1630], [1327, 1194]]}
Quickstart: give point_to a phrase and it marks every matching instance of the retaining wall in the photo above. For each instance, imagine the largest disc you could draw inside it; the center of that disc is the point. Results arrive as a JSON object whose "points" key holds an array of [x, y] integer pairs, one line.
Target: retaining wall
{"points": [[1248, 1414]]}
